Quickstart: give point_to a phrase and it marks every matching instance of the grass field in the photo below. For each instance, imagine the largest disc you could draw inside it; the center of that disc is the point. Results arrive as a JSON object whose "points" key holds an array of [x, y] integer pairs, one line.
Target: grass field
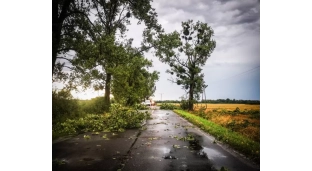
{"points": [[210, 107], [243, 119]]}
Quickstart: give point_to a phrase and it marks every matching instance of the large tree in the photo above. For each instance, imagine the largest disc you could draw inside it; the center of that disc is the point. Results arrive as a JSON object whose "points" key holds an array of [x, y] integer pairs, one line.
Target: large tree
{"points": [[132, 82], [113, 15], [186, 53], [95, 63], [73, 16], [98, 52]]}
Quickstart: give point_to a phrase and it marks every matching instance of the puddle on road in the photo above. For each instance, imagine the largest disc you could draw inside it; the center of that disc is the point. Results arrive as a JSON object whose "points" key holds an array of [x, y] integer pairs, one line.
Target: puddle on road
{"points": [[204, 151], [194, 145], [166, 150], [212, 153]]}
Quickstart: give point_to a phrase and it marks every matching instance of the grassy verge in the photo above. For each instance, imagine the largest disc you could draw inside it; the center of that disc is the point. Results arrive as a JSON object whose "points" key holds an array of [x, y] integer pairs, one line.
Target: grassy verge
{"points": [[242, 144]]}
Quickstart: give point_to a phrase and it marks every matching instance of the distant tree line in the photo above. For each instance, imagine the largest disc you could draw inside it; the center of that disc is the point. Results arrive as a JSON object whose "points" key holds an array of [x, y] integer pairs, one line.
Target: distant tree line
{"points": [[233, 101]]}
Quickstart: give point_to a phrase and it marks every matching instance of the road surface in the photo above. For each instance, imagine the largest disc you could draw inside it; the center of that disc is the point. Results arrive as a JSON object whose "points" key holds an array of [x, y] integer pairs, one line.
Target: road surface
{"points": [[166, 143]]}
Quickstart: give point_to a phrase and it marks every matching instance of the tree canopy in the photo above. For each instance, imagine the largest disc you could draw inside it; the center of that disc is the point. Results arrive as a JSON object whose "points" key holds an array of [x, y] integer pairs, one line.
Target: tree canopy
{"points": [[186, 53]]}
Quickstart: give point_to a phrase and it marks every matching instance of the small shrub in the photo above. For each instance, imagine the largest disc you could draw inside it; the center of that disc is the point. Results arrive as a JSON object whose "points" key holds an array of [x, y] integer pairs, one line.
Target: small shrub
{"points": [[237, 110], [168, 106], [121, 117], [64, 106], [184, 104], [223, 111], [95, 105], [232, 125], [201, 112], [246, 123]]}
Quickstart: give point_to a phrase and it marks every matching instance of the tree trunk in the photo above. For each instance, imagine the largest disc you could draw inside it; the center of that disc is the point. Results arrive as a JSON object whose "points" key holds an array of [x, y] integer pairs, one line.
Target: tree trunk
{"points": [[107, 91], [191, 94], [57, 24], [55, 32], [55, 44], [190, 107], [129, 100]]}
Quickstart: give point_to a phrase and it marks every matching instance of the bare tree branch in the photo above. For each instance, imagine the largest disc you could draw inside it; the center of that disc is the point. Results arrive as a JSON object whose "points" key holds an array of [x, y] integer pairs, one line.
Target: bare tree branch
{"points": [[121, 13], [85, 15], [130, 2], [178, 60], [171, 80], [119, 20], [111, 17], [69, 54], [60, 57], [142, 50], [65, 49], [69, 67], [99, 13]]}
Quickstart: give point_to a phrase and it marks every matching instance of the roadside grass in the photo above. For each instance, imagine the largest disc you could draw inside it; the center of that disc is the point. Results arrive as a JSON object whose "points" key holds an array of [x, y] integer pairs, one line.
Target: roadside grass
{"points": [[245, 122], [241, 143]]}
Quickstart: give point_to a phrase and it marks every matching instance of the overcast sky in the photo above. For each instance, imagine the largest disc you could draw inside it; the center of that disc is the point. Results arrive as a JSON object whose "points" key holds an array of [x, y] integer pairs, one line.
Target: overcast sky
{"points": [[233, 70]]}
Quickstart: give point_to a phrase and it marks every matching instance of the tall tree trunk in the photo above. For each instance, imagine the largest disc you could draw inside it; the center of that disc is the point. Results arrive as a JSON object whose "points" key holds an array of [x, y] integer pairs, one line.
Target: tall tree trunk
{"points": [[107, 91], [191, 94], [57, 24], [55, 44]]}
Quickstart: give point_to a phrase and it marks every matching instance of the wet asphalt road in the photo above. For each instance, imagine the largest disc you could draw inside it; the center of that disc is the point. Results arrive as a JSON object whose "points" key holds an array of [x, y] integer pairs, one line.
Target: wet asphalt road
{"points": [[166, 143]]}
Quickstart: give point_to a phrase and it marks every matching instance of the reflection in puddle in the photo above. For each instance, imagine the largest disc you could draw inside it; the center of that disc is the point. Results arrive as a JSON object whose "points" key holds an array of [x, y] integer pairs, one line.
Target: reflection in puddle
{"points": [[204, 151], [166, 150], [194, 145], [211, 153]]}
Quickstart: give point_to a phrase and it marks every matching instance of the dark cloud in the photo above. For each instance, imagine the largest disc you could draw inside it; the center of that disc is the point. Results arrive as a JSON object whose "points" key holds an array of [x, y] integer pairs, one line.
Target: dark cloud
{"points": [[255, 26], [247, 12], [224, 1], [218, 12]]}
